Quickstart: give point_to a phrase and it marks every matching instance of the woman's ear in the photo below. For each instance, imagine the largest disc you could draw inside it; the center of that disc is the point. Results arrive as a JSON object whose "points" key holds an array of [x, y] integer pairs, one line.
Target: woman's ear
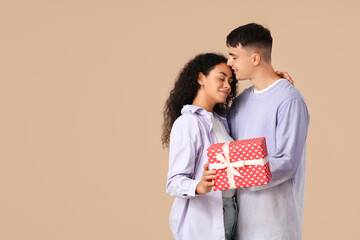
{"points": [[201, 79]]}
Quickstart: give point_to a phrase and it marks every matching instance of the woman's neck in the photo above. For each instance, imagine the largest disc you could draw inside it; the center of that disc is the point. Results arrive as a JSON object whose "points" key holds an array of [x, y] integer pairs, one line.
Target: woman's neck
{"points": [[200, 101]]}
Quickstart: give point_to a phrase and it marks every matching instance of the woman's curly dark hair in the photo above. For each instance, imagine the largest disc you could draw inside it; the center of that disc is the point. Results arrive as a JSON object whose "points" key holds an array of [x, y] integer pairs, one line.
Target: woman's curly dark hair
{"points": [[186, 87]]}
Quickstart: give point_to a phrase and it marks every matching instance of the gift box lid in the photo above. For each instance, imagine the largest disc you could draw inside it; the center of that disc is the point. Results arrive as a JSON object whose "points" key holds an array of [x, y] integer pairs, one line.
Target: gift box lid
{"points": [[248, 149]]}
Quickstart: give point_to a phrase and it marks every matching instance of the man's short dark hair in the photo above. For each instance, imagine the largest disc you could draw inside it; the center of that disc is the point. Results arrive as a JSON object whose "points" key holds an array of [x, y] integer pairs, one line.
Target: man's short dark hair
{"points": [[252, 36]]}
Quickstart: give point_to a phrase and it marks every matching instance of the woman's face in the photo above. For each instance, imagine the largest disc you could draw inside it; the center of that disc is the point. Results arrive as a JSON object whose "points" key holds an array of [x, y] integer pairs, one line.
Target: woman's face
{"points": [[216, 85]]}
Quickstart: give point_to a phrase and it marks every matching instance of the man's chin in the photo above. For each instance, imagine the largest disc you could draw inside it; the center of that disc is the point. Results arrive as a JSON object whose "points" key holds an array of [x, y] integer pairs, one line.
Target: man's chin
{"points": [[241, 79]]}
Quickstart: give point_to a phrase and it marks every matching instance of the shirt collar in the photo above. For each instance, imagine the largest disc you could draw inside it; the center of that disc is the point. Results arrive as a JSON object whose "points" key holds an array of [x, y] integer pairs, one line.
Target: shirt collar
{"points": [[194, 109], [266, 89], [198, 111], [202, 112], [223, 119]]}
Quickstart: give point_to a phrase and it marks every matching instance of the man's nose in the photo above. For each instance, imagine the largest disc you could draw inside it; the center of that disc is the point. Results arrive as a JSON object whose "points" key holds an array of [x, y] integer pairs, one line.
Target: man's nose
{"points": [[229, 62]]}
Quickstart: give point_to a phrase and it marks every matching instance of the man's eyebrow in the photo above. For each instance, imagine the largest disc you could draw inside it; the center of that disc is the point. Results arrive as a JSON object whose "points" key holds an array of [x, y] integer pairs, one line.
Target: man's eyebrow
{"points": [[232, 54]]}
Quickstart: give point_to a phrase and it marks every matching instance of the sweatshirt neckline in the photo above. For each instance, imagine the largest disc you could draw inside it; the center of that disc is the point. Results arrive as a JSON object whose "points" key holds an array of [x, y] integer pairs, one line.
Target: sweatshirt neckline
{"points": [[268, 90]]}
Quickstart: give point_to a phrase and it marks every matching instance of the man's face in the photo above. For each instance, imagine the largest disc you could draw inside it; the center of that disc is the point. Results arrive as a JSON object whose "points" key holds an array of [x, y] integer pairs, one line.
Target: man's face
{"points": [[240, 60]]}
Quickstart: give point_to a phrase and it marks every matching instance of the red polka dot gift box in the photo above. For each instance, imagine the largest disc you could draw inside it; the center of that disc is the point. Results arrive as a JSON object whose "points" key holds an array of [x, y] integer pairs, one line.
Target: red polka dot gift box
{"points": [[239, 164]]}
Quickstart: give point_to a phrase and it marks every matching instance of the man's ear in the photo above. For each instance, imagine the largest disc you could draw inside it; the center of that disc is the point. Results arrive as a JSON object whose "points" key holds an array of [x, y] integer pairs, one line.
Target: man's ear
{"points": [[256, 58], [201, 79]]}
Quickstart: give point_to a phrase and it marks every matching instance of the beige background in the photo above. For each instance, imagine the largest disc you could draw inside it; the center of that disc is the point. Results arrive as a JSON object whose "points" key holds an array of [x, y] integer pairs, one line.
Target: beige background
{"points": [[83, 84]]}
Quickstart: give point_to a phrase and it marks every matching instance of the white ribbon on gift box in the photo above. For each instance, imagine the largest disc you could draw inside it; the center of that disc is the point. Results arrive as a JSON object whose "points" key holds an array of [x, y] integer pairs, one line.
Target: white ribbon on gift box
{"points": [[230, 166]]}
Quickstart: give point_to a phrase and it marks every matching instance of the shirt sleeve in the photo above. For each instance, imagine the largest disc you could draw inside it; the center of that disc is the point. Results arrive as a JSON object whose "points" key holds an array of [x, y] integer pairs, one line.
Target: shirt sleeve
{"points": [[291, 133], [185, 145]]}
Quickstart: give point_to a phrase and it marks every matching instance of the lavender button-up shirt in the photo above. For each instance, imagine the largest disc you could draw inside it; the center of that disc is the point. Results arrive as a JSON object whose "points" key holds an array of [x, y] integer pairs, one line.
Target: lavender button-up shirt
{"points": [[193, 216]]}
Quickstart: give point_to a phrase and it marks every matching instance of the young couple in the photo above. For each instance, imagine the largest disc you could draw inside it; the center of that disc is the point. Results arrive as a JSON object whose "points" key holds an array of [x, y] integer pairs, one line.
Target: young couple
{"points": [[204, 92]]}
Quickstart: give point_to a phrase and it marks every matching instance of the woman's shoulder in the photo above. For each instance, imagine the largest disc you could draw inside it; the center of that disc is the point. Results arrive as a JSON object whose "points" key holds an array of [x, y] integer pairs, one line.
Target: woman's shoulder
{"points": [[186, 127], [186, 120], [189, 115]]}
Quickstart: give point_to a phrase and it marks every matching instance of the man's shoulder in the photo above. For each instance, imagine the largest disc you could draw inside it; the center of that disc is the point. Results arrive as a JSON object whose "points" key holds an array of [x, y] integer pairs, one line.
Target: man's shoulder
{"points": [[286, 92], [247, 91], [244, 94]]}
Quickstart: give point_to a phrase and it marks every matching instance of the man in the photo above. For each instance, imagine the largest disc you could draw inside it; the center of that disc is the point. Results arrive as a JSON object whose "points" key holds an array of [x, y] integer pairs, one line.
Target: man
{"points": [[272, 108]]}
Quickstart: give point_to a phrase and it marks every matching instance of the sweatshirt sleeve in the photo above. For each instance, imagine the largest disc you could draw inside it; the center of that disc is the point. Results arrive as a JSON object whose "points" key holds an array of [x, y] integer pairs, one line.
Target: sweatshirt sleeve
{"points": [[291, 133], [185, 145]]}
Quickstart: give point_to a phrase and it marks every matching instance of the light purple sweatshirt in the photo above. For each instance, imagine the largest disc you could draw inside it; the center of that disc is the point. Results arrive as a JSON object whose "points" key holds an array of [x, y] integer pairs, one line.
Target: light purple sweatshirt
{"points": [[273, 211]]}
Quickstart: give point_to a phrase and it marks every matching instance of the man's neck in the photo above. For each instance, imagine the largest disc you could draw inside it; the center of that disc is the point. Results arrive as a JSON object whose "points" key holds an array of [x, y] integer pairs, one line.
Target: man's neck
{"points": [[263, 78]]}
